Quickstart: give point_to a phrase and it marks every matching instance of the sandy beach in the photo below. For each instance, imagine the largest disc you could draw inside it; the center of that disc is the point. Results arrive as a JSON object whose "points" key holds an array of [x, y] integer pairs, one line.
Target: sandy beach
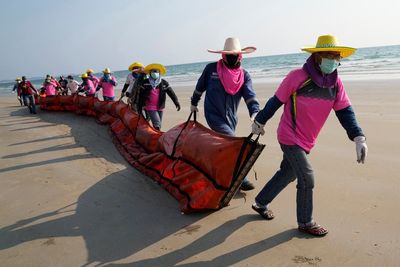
{"points": [[68, 198]]}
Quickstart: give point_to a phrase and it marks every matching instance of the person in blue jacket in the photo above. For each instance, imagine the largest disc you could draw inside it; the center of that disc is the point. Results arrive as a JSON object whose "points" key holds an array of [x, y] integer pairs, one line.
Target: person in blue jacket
{"points": [[225, 83]]}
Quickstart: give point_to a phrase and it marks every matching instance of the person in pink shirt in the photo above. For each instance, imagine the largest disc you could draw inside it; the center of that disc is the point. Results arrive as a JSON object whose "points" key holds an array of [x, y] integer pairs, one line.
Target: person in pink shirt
{"points": [[152, 94], [87, 85], [308, 95], [107, 83], [95, 80], [49, 87]]}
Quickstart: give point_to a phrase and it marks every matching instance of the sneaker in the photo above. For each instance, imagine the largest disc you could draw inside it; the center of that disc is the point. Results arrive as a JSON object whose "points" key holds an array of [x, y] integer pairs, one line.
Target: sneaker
{"points": [[246, 186]]}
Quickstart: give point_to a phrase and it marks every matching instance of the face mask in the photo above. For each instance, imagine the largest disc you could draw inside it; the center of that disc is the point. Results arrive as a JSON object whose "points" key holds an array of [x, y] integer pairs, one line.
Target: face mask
{"points": [[155, 75], [328, 66], [107, 76], [135, 75], [232, 61], [47, 81]]}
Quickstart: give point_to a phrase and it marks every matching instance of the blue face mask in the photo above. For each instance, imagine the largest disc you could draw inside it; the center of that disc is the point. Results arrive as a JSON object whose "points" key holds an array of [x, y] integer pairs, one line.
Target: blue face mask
{"points": [[155, 75], [328, 66]]}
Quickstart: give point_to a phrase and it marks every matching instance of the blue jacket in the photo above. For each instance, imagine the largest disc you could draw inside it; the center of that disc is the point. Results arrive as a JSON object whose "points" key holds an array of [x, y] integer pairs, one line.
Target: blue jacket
{"points": [[220, 108]]}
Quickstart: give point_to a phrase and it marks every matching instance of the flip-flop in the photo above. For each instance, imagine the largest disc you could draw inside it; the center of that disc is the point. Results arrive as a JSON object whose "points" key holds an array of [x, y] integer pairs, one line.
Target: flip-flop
{"points": [[314, 229], [264, 212]]}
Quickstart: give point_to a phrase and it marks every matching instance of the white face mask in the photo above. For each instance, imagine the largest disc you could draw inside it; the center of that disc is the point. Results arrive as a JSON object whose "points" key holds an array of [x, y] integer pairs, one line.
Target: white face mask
{"points": [[155, 75]]}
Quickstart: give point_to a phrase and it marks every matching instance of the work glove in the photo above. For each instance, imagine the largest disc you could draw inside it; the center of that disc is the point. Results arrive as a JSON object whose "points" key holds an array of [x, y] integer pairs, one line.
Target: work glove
{"points": [[257, 128], [178, 107], [361, 148], [193, 108]]}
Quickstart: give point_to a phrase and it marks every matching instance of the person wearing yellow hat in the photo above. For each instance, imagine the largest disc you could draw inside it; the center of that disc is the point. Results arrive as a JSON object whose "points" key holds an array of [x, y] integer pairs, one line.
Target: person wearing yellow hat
{"points": [[308, 95], [107, 83], [225, 83], [87, 85], [50, 86], [92, 77], [15, 89], [136, 73], [152, 94]]}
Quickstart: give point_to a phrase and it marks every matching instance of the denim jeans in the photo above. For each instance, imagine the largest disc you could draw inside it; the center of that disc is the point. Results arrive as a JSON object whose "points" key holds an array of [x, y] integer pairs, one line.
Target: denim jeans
{"points": [[294, 165], [30, 102], [155, 117]]}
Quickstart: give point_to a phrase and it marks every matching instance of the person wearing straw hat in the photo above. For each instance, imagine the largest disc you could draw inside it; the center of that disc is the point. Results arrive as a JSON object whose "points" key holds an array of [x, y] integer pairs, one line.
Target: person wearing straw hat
{"points": [[225, 83], [87, 85], [136, 71], [107, 83], [95, 80], [152, 94], [50, 86], [308, 95]]}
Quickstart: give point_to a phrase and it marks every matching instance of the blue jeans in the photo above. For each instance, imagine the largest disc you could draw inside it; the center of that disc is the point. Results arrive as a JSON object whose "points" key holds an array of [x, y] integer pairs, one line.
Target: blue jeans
{"points": [[30, 102], [294, 165], [155, 117]]}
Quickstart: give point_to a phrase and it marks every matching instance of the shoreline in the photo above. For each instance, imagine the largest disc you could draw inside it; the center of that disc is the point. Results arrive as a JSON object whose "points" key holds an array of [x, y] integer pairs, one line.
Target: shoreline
{"points": [[258, 82]]}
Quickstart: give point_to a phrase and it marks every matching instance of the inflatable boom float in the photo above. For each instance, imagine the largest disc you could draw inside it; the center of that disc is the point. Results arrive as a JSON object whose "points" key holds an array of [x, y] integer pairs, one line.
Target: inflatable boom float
{"points": [[202, 169]]}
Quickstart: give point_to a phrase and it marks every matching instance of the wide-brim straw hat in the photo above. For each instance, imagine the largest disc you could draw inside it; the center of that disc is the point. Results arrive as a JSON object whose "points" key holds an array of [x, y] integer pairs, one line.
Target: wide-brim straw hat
{"points": [[135, 65], [84, 75], [155, 66], [328, 43], [232, 46], [107, 71]]}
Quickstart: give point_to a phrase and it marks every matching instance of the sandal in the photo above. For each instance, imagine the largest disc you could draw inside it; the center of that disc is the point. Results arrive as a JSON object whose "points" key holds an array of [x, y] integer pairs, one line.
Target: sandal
{"points": [[263, 211], [313, 229]]}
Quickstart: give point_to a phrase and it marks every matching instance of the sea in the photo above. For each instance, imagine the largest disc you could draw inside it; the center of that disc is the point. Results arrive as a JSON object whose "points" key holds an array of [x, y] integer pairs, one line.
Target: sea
{"points": [[381, 62]]}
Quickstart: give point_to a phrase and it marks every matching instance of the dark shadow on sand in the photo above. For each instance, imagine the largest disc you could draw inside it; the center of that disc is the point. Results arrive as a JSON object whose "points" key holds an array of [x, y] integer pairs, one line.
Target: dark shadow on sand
{"points": [[45, 162], [126, 212], [23, 122], [42, 140], [43, 150]]}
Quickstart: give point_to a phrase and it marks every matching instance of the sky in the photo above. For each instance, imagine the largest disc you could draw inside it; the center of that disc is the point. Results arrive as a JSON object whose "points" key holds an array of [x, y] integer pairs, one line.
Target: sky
{"points": [[69, 36]]}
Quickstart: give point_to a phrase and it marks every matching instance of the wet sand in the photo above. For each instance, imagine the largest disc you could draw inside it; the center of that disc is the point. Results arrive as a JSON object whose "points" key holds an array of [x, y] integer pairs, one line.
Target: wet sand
{"points": [[68, 198]]}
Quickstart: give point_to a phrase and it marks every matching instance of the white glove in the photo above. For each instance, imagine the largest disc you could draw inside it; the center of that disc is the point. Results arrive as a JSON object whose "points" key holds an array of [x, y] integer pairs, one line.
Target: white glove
{"points": [[361, 148], [193, 109], [257, 128]]}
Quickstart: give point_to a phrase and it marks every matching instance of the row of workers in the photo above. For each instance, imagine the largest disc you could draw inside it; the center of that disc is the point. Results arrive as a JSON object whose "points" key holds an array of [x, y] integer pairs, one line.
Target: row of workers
{"points": [[308, 95]]}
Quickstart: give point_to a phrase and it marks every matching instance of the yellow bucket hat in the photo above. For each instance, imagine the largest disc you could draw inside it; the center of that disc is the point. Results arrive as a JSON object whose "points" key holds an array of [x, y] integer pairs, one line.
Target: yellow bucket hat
{"points": [[107, 71], [328, 43], [135, 65], [155, 66], [84, 75], [89, 71], [18, 79]]}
